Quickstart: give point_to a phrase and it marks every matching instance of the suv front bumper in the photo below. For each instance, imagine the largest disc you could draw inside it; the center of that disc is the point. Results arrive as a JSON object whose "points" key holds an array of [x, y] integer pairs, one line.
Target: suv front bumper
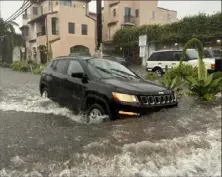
{"points": [[142, 109]]}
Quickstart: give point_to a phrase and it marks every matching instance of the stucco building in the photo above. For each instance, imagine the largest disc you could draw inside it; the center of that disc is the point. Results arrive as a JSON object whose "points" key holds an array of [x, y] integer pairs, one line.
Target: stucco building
{"points": [[61, 26], [119, 14]]}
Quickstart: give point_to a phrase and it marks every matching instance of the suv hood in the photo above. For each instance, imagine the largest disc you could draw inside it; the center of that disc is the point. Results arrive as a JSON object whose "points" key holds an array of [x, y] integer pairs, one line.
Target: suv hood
{"points": [[135, 86]]}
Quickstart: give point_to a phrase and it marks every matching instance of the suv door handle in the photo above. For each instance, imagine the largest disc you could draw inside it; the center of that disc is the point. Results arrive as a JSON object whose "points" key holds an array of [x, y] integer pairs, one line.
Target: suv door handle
{"points": [[173, 63], [159, 63]]}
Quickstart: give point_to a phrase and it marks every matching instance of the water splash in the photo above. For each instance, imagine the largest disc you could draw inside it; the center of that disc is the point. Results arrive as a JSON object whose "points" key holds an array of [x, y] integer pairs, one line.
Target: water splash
{"points": [[21, 101]]}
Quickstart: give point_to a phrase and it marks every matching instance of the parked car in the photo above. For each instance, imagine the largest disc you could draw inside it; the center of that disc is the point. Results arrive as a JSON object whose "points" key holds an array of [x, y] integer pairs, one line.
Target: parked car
{"points": [[158, 60], [101, 87], [118, 59]]}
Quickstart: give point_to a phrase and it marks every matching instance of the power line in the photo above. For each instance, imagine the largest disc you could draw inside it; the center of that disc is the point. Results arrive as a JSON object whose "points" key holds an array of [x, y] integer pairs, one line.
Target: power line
{"points": [[21, 10]]}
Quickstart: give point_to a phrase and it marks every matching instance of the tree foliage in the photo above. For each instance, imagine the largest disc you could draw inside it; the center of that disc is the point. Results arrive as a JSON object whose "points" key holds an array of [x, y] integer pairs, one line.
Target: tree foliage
{"points": [[201, 26], [9, 39]]}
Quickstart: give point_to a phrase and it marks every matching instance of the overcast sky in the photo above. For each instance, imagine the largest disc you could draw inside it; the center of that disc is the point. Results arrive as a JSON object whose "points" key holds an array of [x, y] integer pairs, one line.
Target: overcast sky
{"points": [[183, 8]]}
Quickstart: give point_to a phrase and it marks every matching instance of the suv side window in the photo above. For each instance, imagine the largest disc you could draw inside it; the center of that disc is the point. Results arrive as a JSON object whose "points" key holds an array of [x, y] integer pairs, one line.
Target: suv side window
{"points": [[74, 67], [62, 66], [153, 57], [166, 56], [53, 65], [177, 55]]}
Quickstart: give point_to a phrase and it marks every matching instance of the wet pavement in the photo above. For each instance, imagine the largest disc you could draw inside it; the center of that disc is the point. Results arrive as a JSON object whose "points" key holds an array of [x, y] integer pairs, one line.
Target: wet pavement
{"points": [[39, 138]]}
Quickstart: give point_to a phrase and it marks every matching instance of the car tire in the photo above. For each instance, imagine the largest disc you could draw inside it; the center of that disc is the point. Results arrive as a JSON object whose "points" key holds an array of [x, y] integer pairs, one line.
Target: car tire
{"points": [[95, 110], [158, 71], [102, 110], [45, 93]]}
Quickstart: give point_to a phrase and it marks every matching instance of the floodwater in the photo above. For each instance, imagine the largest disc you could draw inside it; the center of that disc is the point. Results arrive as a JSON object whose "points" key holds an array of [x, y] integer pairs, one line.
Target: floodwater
{"points": [[40, 138]]}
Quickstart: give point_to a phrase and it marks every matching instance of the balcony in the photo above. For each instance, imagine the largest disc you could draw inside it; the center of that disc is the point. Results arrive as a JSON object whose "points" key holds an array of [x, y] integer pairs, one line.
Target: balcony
{"points": [[41, 34], [41, 38], [129, 20], [113, 3]]}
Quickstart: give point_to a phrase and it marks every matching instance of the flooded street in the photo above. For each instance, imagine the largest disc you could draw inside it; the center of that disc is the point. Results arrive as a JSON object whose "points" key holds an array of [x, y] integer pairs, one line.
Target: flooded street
{"points": [[39, 138]]}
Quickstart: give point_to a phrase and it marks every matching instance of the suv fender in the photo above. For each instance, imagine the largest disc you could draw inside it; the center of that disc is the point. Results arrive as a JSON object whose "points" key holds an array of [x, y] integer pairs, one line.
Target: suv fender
{"points": [[98, 98], [92, 98]]}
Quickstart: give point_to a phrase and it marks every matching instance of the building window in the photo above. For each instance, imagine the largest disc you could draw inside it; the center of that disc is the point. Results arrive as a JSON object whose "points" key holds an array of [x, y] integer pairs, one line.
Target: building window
{"points": [[72, 28], [114, 12], [168, 17], [137, 13], [41, 10], [66, 2], [84, 29], [127, 11], [54, 28], [153, 14], [25, 32], [35, 10]]}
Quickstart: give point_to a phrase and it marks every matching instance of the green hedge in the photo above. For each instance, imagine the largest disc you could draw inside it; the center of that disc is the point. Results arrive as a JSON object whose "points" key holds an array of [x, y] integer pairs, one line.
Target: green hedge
{"points": [[28, 67], [202, 26]]}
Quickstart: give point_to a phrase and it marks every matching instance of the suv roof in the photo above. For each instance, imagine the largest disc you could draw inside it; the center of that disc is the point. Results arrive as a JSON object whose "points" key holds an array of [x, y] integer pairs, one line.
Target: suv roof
{"points": [[170, 50], [72, 57]]}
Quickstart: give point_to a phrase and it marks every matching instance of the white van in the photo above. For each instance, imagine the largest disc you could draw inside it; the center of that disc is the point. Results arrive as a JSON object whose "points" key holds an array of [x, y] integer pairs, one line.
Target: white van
{"points": [[159, 60]]}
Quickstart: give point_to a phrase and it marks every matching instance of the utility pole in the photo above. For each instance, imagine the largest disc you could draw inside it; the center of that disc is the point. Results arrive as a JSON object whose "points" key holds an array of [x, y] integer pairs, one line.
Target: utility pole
{"points": [[0, 10], [99, 23]]}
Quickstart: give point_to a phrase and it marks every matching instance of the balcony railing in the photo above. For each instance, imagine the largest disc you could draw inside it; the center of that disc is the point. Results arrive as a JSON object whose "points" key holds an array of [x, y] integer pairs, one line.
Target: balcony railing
{"points": [[40, 33], [55, 32], [25, 16], [129, 19]]}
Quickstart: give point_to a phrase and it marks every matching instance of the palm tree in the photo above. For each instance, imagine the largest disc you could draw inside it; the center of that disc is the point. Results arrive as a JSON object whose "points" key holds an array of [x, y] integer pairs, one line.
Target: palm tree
{"points": [[8, 39]]}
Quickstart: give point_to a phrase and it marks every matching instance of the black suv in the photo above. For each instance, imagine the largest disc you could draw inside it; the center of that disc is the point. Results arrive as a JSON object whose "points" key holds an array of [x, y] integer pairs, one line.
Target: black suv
{"points": [[101, 87]]}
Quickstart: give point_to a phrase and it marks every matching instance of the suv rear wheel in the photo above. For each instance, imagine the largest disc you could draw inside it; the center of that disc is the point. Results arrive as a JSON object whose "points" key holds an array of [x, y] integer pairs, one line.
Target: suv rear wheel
{"points": [[158, 71]]}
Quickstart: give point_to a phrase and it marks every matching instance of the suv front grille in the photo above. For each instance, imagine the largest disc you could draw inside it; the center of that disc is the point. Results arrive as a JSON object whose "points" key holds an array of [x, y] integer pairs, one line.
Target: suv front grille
{"points": [[158, 100]]}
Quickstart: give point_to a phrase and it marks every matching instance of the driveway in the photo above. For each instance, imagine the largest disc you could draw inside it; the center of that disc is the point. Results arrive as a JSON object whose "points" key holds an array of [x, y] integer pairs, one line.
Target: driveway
{"points": [[40, 138]]}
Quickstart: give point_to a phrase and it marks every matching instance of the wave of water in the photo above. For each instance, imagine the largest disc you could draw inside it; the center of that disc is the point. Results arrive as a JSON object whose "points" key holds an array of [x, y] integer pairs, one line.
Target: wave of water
{"points": [[194, 155]]}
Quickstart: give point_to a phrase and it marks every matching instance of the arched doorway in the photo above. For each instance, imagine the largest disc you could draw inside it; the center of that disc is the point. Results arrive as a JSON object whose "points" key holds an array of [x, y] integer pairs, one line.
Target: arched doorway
{"points": [[78, 49], [43, 54]]}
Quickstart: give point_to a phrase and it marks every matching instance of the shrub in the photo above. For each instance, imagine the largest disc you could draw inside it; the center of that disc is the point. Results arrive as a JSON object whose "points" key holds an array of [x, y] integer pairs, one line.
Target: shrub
{"points": [[204, 86], [176, 84], [184, 70], [39, 69], [20, 66], [151, 76], [205, 89], [175, 78]]}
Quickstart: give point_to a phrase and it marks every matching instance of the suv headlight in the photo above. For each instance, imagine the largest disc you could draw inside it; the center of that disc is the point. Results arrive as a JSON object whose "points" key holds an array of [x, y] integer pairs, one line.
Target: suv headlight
{"points": [[125, 97]]}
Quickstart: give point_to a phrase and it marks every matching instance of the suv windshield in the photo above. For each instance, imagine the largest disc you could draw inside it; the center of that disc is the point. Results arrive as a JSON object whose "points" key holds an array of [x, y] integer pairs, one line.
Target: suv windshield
{"points": [[192, 54], [102, 68]]}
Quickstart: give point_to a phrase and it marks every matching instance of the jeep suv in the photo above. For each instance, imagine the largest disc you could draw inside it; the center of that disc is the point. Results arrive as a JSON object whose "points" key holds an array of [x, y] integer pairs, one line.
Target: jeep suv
{"points": [[101, 87]]}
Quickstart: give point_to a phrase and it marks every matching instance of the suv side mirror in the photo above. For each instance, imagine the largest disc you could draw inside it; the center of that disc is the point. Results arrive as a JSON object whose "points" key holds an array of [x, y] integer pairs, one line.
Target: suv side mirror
{"points": [[80, 76]]}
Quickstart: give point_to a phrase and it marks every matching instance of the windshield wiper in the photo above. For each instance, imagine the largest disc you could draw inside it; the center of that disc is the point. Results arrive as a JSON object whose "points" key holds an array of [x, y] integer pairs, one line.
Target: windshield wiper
{"points": [[124, 73], [107, 71]]}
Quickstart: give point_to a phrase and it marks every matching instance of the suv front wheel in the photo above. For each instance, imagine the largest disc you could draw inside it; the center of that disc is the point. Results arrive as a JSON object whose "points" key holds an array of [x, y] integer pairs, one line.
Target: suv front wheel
{"points": [[45, 93], [95, 111]]}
